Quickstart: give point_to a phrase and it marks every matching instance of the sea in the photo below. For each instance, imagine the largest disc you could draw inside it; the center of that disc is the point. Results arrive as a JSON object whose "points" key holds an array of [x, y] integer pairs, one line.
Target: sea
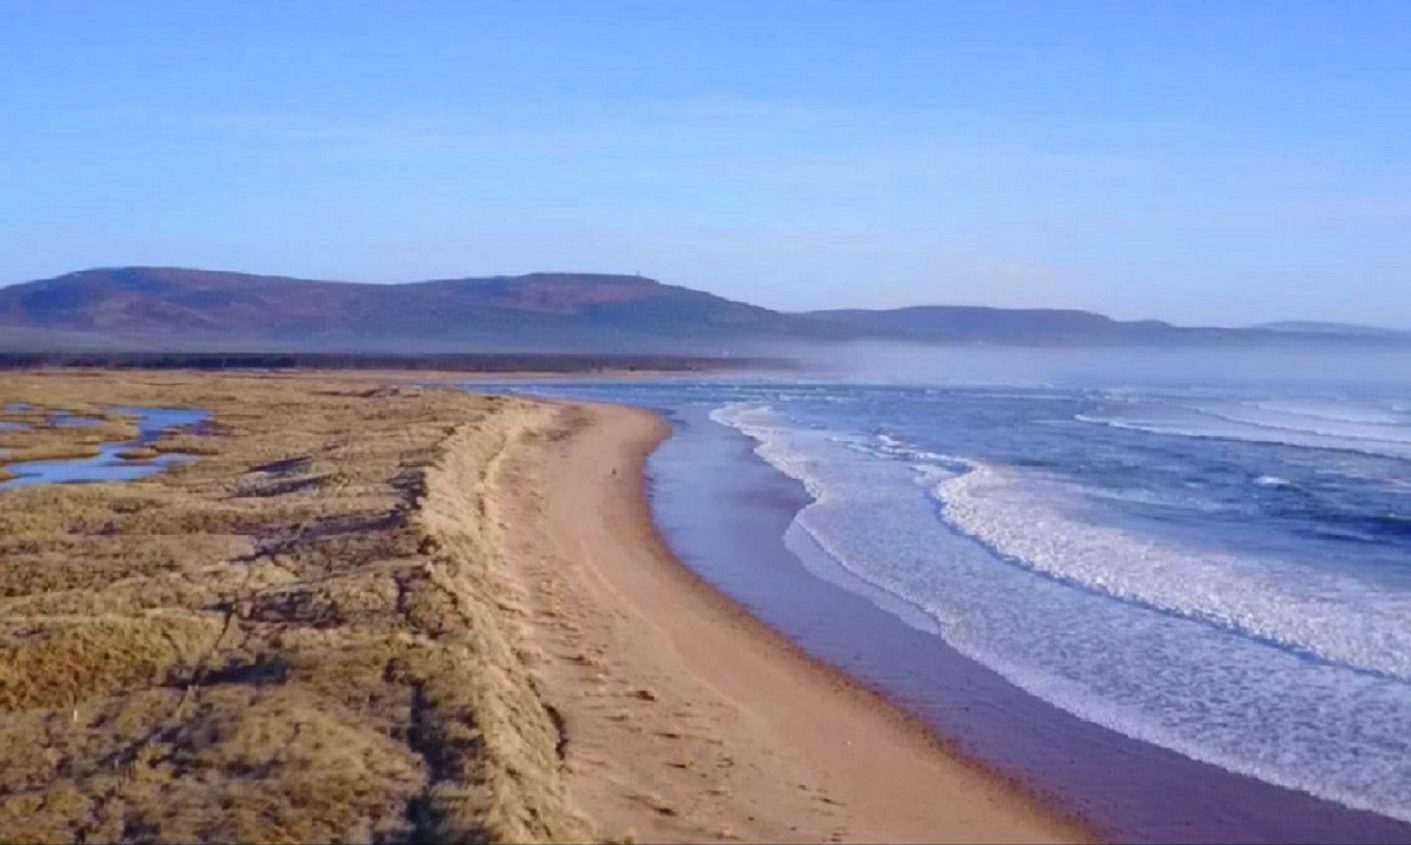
{"points": [[1194, 566]]}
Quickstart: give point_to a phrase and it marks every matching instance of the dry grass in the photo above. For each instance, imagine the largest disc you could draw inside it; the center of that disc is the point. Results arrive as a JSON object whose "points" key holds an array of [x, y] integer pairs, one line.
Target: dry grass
{"points": [[44, 439], [139, 453], [55, 451], [306, 634]]}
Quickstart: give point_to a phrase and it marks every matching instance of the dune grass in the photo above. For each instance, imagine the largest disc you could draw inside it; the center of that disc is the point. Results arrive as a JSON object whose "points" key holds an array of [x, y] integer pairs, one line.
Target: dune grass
{"points": [[304, 634]]}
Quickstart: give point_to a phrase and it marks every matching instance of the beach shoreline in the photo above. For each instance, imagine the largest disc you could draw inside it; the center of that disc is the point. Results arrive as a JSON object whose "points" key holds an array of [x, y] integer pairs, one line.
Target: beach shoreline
{"points": [[733, 518], [687, 718], [533, 619]]}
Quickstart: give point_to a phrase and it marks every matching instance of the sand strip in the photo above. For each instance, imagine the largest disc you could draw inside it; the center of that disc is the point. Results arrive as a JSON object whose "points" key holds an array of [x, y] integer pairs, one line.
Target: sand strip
{"points": [[685, 718]]}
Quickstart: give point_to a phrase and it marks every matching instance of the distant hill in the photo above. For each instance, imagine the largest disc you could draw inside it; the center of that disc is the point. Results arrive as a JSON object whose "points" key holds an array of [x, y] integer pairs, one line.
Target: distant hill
{"points": [[139, 309], [177, 308], [1318, 327], [951, 323]]}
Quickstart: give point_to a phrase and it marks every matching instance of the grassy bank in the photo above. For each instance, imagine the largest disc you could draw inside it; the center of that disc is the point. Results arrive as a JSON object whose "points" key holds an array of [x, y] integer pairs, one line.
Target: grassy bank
{"points": [[305, 634]]}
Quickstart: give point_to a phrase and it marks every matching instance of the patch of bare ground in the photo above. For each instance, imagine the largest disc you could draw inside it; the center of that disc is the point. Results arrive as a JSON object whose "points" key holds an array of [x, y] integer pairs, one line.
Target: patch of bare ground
{"points": [[306, 634]]}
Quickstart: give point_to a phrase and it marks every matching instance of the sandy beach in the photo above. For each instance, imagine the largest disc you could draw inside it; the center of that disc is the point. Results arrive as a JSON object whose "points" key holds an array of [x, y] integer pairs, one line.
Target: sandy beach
{"points": [[373, 613], [685, 718]]}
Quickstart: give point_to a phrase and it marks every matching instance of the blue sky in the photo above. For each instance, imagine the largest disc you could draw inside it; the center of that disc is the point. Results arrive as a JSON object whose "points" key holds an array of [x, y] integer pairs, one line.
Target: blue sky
{"points": [[1214, 162]]}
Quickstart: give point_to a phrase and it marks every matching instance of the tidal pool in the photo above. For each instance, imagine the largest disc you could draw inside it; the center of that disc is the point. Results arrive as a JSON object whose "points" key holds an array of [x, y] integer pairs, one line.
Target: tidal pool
{"points": [[107, 465]]}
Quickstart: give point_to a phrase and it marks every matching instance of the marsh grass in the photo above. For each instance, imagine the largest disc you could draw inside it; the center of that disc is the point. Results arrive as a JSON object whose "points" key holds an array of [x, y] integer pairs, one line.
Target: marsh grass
{"points": [[53, 451], [138, 453], [45, 439], [305, 634]]}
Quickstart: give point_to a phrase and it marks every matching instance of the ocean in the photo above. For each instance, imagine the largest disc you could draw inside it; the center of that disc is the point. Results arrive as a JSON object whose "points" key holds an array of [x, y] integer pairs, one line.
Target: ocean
{"points": [[1214, 561]]}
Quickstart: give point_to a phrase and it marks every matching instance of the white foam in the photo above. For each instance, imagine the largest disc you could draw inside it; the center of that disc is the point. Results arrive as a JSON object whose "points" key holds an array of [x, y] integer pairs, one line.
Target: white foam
{"points": [[1338, 617], [1341, 411], [1180, 677], [1227, 424], [1354, 426]]}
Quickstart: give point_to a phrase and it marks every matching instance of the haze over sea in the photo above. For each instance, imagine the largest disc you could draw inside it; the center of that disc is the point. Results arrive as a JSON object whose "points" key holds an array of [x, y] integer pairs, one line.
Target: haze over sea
{"points": [[1212, 555]]}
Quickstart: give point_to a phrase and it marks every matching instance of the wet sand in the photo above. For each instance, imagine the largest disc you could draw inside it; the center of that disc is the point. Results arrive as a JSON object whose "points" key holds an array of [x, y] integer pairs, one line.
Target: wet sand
{"points": [[684, 717]]}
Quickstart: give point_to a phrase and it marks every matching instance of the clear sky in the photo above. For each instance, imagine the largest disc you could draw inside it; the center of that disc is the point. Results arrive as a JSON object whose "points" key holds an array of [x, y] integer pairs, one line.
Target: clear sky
{"points": [[1217, 162]]}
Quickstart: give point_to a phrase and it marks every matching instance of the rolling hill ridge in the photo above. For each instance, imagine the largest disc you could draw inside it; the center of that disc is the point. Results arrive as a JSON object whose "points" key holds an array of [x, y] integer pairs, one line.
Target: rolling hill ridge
{"points": [[168, 308], [559, 311]]}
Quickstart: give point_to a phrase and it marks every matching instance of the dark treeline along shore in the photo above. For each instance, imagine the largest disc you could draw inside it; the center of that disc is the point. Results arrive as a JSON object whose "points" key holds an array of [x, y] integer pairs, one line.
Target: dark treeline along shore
{"points": [[465, 362]]}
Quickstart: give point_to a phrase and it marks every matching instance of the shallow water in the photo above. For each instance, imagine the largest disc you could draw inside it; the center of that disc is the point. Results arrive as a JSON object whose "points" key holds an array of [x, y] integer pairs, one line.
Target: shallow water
{"points": [[64, 420], [106, 465]]}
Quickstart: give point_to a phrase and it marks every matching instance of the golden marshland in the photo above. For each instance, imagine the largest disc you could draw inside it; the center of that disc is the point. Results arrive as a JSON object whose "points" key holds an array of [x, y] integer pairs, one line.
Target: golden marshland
{"points": [[303, 635]]}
